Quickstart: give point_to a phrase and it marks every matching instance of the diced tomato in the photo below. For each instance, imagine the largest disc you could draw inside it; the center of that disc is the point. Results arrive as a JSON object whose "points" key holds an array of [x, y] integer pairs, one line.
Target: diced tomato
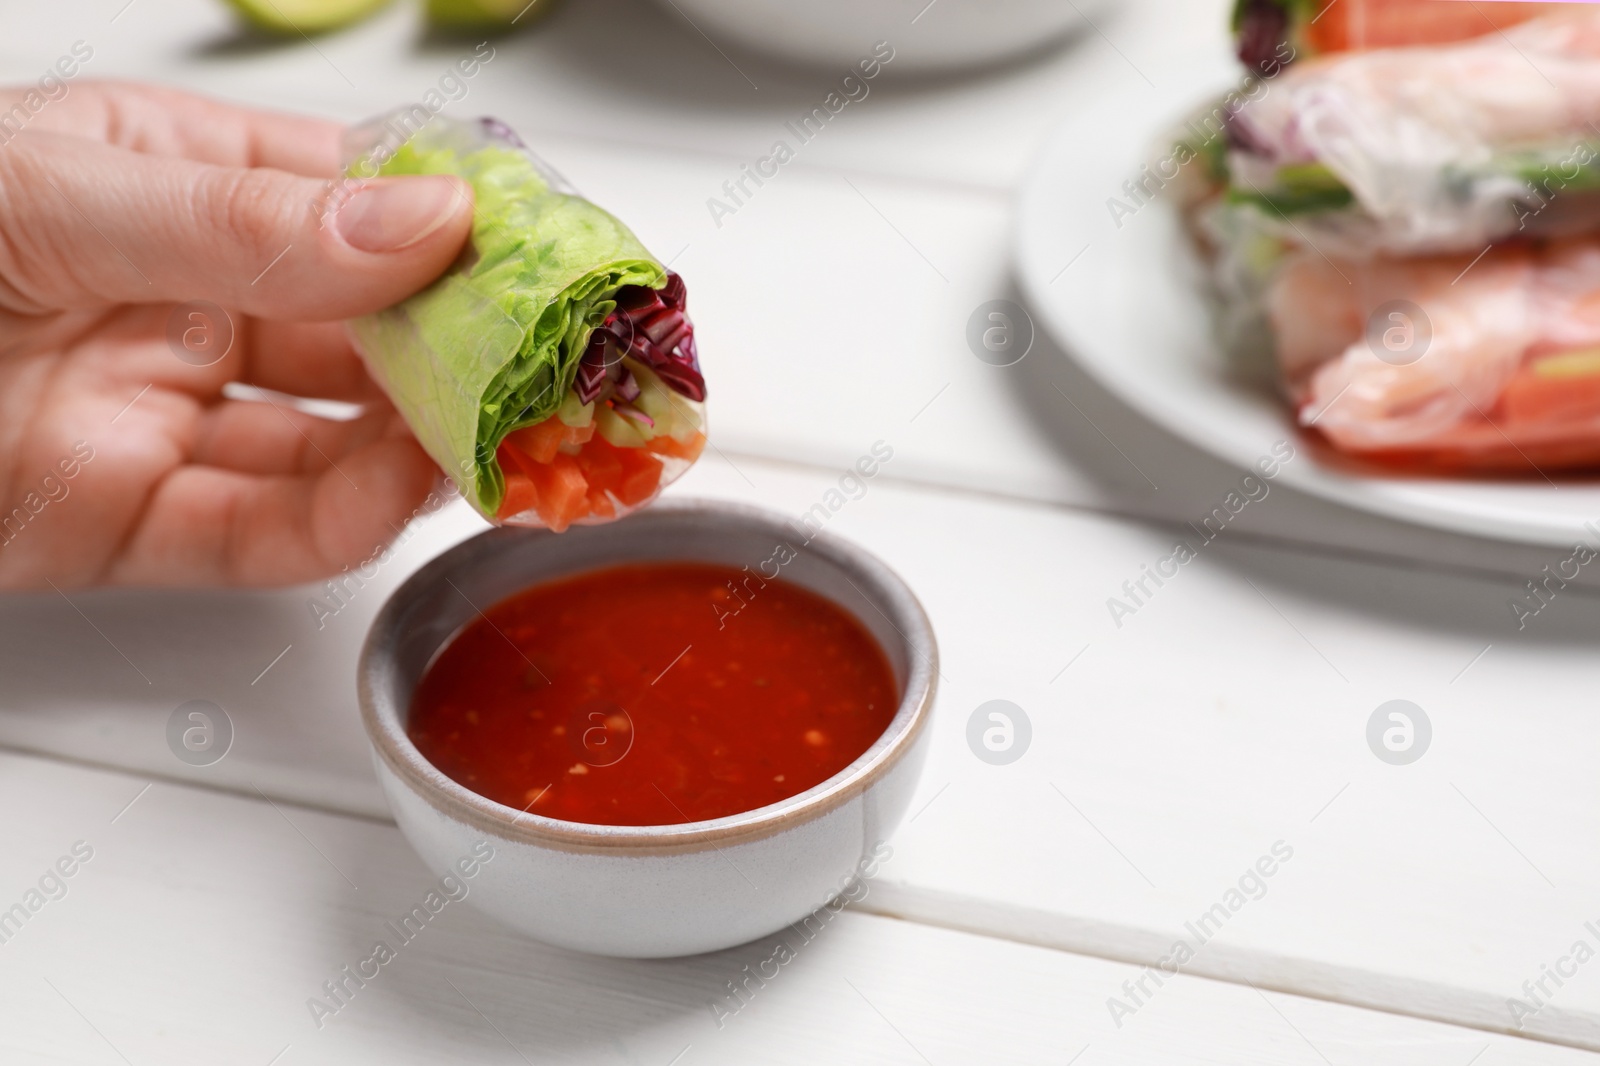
{"points": [[570, 472], [1556, 389], [563, 492], [520, 495], [600, 463], [600, 503], [511, 461], [1360, 24], [678, 449], [641, 476], [539, 441]]}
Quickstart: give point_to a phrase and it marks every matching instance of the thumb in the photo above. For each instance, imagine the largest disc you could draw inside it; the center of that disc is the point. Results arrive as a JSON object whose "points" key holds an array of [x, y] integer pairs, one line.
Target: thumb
{"points": [[83, 225]]}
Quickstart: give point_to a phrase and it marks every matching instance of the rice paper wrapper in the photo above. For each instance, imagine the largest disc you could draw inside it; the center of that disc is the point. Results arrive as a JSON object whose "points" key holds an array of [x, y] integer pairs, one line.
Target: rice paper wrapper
{"points": [[1424, 150], [494, 345]]}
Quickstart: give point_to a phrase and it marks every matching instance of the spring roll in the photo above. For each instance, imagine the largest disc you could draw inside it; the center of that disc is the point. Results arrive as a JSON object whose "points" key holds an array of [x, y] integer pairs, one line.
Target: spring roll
{"points": [[552, 371], [1421, 150]]}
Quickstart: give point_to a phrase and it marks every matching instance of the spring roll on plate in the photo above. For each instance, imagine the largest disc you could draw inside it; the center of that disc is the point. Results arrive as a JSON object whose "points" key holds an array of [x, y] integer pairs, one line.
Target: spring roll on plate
{"points": [[1422, 149], [1413, 230], [552, 371]]}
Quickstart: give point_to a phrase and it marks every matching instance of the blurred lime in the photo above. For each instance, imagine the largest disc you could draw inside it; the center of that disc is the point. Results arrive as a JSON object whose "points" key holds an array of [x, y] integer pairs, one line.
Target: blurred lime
{"points": [[486, 14], [304, 16]]}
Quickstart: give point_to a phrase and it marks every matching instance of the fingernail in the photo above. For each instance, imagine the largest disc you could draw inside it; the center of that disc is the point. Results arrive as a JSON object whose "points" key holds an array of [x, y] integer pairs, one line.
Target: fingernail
{"points": [[388, 214]]}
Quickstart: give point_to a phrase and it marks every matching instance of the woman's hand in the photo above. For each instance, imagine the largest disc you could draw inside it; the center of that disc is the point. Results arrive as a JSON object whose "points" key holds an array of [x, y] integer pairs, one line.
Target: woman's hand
{"points": [[118, 203]]}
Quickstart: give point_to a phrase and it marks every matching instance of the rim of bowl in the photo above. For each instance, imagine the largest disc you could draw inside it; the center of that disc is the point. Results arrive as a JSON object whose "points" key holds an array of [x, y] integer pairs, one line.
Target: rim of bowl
{"points": [[879, 585]]}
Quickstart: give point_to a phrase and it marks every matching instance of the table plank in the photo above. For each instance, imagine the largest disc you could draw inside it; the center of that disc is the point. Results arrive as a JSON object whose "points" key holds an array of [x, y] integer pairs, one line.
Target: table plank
{"points": [[1188, 741], [1168, 755], [203, 923], [661, 84]]}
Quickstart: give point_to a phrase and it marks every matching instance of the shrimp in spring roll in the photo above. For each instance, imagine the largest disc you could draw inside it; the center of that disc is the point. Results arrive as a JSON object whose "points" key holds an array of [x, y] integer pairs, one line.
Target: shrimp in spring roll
{"points": [[552, 372], [1449, 362]]}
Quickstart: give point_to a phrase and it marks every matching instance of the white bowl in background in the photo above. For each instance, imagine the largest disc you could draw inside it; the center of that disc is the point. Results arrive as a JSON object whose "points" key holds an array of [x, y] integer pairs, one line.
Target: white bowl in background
{"points": [[943, 35]]}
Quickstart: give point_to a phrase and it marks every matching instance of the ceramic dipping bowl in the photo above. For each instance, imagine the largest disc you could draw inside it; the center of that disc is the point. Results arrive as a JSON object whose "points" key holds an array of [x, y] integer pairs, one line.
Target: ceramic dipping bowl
{"points": [[647, 891]]}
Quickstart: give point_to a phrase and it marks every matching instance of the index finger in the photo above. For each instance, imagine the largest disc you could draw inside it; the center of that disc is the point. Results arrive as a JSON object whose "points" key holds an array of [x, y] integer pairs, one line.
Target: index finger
{"points": [[168, 122]]}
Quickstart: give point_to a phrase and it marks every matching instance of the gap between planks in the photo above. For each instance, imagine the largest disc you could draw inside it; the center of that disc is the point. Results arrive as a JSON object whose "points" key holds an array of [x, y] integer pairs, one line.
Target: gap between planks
{"points": [[1271, 541], [1344, 985], [1113, 942]]}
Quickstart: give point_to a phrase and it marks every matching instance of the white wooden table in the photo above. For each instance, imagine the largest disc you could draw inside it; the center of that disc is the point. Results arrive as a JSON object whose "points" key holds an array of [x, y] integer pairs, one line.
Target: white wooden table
{"points": [[1168, 755]]}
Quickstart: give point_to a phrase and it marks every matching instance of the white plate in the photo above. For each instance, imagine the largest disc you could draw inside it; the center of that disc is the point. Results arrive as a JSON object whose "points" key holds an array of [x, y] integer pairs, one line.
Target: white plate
{"points": [[1128, 311]]}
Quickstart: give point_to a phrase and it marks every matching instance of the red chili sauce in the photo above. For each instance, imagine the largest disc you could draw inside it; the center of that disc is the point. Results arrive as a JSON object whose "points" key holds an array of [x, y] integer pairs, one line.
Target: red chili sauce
{"points": [[653, 695]]}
